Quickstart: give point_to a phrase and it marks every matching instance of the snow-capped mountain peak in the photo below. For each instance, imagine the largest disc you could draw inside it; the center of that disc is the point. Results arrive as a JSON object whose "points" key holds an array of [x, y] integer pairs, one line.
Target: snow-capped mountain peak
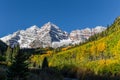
{"points": [[36, 37], [34, 27], [82, 35], [49, 26], [49, 35]]}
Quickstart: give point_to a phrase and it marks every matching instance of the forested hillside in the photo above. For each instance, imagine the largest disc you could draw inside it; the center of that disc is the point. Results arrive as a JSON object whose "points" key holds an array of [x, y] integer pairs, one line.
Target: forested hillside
{"points": [[96, 59], [101, 54]]}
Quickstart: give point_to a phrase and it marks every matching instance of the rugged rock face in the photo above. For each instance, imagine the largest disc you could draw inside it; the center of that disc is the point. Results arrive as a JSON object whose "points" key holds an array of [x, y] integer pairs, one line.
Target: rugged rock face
{"points": [[82, 35], [34, 36], [49, 35]]}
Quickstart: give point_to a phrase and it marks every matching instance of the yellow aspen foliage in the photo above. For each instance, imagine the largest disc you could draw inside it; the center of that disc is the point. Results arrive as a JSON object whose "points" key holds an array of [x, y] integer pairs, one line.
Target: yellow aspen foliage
{"points": [[101, 46], [42, 56], [92, 50], [83, 49], [69, 47], [102, 62], [50, 64], [34, 58], [107, 62], [116, 49], [46, 55], [49, 52], [64, 49]]}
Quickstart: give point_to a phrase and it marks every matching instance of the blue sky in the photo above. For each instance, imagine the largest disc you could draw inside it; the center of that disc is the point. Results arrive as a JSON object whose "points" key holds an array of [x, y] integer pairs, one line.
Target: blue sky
{"points": [[67, 14]]}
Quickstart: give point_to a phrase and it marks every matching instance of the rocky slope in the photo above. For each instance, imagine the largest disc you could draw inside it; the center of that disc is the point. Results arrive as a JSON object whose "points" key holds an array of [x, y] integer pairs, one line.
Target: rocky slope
{"points": [[49, 35], [82, 35]]}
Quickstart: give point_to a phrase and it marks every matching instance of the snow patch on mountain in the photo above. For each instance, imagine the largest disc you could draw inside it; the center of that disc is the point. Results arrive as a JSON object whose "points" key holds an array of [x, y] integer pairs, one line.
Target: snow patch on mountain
{"points": [[34, 36], [49, 35], [81, 35]]}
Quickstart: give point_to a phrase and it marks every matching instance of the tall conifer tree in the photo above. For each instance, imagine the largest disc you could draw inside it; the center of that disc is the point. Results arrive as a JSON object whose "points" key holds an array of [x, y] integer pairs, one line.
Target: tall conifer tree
{"points": [[19, 67], [9, 55]]}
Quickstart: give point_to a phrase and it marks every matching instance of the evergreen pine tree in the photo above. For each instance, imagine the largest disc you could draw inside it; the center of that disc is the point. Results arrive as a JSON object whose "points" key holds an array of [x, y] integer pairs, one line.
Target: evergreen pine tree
{"points": [[15, 51], [0, 52], [45, 63], [19, 67], [8, 55]]}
